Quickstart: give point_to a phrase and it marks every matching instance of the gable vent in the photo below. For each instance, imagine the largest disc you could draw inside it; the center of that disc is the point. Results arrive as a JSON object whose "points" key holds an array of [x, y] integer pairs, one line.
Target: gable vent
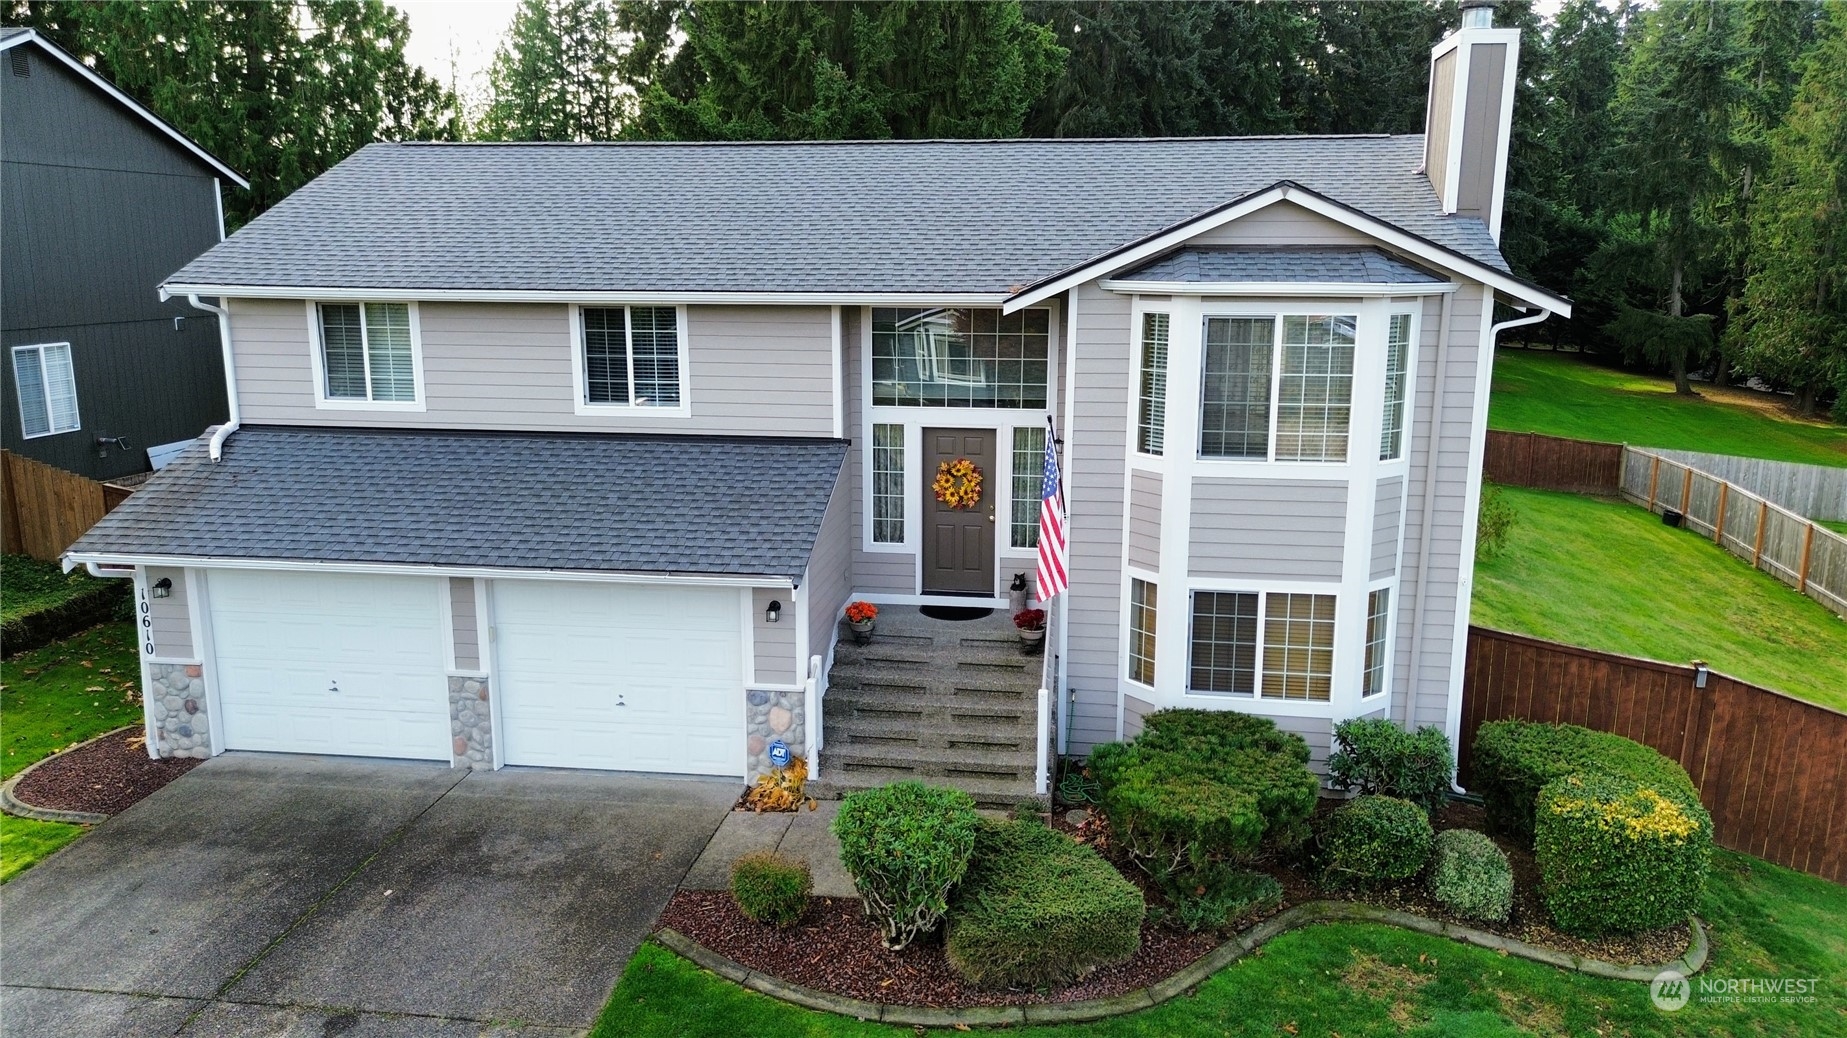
{"points": [[21, 66]]}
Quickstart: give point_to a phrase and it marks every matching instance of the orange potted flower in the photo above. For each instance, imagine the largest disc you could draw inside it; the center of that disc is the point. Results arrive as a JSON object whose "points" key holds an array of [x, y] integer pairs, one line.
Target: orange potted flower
{"points": [[861, 617]]}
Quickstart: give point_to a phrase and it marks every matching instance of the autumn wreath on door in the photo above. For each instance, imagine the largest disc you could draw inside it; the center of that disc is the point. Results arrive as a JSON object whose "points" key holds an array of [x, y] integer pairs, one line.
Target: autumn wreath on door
{"points": [[958, 483]]}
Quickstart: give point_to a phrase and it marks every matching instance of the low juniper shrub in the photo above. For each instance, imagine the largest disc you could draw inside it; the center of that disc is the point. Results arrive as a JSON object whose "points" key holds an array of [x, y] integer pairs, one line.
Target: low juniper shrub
{"points": [[770, 888], [906, 845], [1374, 755], [1217, 896], [1470, 876], [1373, 841]]}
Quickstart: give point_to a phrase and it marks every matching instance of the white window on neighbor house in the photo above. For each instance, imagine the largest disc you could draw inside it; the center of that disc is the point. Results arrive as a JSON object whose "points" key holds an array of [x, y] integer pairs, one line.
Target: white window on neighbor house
{"points": [[1028, 484], [1277, 388], [47, 387], [1263, 645], [632, 356], [1378, 622], [1142, 603], [1397, 363], [1151, 416], [368, 353], [888, 484]]}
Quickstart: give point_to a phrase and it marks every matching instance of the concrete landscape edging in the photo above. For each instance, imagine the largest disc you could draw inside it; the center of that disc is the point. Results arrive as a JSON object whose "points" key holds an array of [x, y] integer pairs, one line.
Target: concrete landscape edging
{"points": [[1186, 979], [12, 805]]}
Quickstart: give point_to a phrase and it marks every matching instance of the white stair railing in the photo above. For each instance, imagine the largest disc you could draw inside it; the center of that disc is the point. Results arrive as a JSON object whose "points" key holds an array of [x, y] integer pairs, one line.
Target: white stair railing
{"points": [[812, 692]]}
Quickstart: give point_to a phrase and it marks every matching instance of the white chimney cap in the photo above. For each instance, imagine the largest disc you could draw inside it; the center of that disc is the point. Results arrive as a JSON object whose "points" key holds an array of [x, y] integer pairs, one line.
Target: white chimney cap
{"points": [[1478, 14]]}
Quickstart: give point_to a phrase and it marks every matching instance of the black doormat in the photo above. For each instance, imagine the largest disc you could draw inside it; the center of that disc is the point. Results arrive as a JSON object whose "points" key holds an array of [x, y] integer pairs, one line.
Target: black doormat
{"points": [[940, 612]]}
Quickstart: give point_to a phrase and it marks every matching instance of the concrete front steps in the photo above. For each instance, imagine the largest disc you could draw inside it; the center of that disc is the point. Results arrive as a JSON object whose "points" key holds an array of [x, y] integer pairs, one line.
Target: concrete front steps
{"points": [[950, 703]]}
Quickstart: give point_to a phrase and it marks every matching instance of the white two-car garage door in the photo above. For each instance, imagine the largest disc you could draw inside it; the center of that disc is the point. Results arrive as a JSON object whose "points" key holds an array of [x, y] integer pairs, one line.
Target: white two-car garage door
{"points": [[618, 676], [330, 663]]}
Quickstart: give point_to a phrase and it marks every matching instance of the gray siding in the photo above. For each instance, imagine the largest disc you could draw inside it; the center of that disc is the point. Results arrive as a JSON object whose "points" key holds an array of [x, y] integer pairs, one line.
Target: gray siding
{"points": [[508, 366], [1095, 448], [830, 570], [1443, 421], [96, 208], [465, 624], [1436, 123], [1386, 502], [773, 644], [1481, 130], [1133, 710], [169, 618], [1283, 223], [1318, 732], [1145, 519], [1267, 529], [874, 572]]}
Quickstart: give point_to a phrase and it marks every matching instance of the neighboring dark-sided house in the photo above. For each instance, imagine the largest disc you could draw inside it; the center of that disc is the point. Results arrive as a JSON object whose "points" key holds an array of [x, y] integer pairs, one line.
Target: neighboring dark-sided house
{"points": [[101, 200]]}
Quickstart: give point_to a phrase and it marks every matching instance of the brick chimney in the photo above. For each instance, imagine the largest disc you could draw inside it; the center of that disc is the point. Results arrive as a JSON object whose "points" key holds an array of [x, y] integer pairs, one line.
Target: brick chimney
{"points": [[1470, 114]]}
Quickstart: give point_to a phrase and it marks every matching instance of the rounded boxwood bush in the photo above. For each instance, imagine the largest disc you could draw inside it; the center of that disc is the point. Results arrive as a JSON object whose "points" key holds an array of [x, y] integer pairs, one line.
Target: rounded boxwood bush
{"points": [[770, 888], [1470, 876], [1374, 841], [1219, 895], [906, 845], [1515, 759], [1374, 755], [1619, 856], [1038, 909], [1201, 786]]}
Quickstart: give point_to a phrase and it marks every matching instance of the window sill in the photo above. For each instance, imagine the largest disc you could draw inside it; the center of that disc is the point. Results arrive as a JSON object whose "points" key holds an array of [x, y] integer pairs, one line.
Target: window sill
{"points": [[325, 404], [635, 411], [54, 432]]}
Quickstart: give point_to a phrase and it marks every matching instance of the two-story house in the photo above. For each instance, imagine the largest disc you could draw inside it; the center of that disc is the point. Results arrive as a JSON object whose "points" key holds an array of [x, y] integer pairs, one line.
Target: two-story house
{"points": [[572, 455], [100, 200]]}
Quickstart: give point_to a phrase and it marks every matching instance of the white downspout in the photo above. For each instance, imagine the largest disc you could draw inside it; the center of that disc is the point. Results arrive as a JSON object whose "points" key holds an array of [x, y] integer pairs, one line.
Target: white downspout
{"points": [[230, 374]]}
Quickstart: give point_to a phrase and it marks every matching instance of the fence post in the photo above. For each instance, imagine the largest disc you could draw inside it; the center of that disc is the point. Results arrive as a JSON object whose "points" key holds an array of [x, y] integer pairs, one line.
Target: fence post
{"points": [[1763, 520], [1718, 522], [1654, 480], [1808, 542], [1686, 488]]}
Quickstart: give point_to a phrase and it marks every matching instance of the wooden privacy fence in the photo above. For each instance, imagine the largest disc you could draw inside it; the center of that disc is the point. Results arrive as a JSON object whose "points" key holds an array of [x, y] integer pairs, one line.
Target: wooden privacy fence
{"points": [[1772, 769], [1816, 491], [1810, 558], [44, 509], [1552, 462]]}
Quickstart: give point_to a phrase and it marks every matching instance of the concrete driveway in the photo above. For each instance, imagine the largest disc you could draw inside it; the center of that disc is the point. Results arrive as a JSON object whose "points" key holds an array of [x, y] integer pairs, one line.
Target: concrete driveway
{"points": [[278, 895]]}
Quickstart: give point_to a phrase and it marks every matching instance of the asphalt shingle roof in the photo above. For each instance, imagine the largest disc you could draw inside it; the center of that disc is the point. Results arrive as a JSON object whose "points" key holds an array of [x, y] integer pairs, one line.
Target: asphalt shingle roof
{"points": [[867, 216], [638, 504], [1355, 266]]}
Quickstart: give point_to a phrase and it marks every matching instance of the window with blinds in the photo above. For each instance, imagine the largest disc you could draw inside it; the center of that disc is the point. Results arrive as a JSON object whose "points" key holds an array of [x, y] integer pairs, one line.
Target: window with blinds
{"points": [[367, 352], [1397, 363], [1151, 420], [46, 383], [631, 356]]}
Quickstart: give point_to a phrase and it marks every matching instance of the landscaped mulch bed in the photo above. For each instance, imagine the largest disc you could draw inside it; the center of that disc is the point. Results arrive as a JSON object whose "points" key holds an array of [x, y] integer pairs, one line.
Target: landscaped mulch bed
{"points": [[837, 950], [107, 776]]}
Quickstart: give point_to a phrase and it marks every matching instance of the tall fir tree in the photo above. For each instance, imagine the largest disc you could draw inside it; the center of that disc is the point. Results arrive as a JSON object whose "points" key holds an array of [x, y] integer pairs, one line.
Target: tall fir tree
{"points": [[556, 76]]}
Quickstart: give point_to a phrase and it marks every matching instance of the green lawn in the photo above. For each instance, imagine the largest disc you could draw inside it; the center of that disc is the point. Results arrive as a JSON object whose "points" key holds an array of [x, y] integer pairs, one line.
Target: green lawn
{"points": [[1361, 979], [1564, 395], [50, 698], [1611, 576], [28, 585]]}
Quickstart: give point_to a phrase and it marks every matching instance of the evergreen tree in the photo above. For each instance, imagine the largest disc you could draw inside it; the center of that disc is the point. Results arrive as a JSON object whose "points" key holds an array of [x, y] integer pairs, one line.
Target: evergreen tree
{"points": [[828, 71], [1367, 66], [1793, 322], [279, 91], [556, 77]]}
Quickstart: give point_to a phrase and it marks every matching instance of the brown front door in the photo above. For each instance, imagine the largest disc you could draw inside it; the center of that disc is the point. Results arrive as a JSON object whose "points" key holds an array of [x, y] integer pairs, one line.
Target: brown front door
{"points": [[958, 550]]}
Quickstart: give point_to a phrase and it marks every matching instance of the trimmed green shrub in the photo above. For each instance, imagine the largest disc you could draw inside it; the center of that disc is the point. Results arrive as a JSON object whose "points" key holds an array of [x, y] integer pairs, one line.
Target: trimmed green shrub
{"points": [[1218, 895], [906, 845], [1038, 909], [1470, 876], [1515, 759], [1374, 841], [1374, 755], [1617, 856], [1200, 786], [770, 888]]}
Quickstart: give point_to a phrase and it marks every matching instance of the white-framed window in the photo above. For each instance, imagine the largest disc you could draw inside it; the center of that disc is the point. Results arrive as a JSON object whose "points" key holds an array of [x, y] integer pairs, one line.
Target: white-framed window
{"points": [[1378, 654], [1273, 645], [631, 357], [367, 355], [1277, 387], [1397, 364], [1028, 485], [960, 357], [1143, 597], [887, 484], [1151, 415], [47, 387]]}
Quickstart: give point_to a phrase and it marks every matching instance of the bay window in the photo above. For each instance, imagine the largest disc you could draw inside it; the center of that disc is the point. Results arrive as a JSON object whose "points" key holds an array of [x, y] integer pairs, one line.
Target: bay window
{"points": [[1277, 388]]}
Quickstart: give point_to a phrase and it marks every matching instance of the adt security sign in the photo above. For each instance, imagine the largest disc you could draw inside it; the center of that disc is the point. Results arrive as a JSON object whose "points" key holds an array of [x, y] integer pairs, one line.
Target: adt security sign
{"points": [[779, 754]]}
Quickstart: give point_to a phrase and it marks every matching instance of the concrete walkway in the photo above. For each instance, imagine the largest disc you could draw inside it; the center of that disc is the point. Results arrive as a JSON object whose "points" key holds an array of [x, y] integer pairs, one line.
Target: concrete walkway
{"points": [[806, 835], [285, 895]]}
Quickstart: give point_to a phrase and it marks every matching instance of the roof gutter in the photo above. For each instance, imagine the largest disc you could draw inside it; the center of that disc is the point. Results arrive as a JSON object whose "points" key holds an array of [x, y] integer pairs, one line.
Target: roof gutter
{"points": [[111, 560], [235, 418]]}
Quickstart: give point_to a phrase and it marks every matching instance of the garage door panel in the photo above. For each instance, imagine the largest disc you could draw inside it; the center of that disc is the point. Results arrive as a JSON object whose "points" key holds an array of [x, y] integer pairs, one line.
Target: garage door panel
{"points": [[620, 677], [330, 663]]}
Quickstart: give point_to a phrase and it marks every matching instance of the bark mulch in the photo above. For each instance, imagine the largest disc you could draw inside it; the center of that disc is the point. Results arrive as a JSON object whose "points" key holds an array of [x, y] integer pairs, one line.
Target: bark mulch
{"points": [[107, 776]]}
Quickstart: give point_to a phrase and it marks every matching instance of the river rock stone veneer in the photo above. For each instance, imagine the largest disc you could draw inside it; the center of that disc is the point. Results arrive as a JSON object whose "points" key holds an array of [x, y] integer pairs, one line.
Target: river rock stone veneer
{"points": [[773, 716], [471, 724], [176, 701]]}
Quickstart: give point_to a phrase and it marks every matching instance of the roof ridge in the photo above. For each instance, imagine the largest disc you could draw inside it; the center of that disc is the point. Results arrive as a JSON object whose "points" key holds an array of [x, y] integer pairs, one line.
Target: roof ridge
{"points": [[893, 141]]}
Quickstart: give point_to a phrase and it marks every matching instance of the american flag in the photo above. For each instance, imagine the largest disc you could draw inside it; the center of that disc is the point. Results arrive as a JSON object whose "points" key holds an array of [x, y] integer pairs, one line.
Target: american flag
{"points": [[1053, 577]]}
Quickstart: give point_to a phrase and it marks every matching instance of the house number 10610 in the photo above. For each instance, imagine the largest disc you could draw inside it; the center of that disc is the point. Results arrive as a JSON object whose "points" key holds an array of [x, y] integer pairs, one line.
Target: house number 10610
{"points": [[147, 622]]}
